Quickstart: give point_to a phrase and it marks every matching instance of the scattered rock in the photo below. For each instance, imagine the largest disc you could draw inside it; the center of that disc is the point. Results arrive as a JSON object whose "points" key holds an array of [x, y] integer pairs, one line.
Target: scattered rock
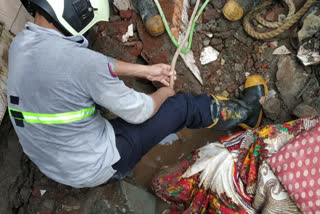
{"points": [[218, 3], [138, 200], [282, 50], [125, 14], [272, 106], [215, 42], [206, 42], [241, 36], [291, 79], [122, 4], [311, 26], [304, 110], [209, 15], [208, 54], [273, 14], [238, 67]]}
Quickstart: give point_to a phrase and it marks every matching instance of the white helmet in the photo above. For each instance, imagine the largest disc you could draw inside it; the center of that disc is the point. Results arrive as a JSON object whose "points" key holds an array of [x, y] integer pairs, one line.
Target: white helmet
{"points": [[72, 17]]}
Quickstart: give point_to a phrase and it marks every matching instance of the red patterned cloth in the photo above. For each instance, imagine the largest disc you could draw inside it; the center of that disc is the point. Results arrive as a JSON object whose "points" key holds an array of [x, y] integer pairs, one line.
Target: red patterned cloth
{"points": [[297, 166]]}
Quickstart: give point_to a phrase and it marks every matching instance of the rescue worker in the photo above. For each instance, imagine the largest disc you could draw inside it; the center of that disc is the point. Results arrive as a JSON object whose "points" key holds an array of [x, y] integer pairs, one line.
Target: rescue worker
{"points": [[55, 81]]}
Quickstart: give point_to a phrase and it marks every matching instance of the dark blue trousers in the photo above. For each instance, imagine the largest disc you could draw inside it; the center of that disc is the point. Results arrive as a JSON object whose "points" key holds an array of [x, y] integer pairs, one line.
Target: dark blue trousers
{"points": [[133, 141]]}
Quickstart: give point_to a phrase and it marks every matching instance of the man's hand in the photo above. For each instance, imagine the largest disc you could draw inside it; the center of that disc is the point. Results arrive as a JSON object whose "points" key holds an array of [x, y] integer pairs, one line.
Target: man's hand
{"points": [[157, 72], [160, 73]]}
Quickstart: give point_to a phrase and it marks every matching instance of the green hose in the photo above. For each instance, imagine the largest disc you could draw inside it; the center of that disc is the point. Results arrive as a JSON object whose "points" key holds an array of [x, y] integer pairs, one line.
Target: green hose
{"points": [[174, 41]]}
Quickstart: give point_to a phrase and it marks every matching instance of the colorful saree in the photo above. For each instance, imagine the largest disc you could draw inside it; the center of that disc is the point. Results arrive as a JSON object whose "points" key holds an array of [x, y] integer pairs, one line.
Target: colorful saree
{"points": [[234, 174]]}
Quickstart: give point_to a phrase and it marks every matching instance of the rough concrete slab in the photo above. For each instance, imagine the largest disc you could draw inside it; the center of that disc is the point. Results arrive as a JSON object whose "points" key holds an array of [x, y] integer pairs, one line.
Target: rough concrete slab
{"points": [[5, 41], [22, 18], [138, 200], [8, 12]]}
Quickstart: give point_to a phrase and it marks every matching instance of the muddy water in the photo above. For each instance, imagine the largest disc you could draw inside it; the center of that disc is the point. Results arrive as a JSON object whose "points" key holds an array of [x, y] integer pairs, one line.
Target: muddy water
{"points": [[168, 152]]}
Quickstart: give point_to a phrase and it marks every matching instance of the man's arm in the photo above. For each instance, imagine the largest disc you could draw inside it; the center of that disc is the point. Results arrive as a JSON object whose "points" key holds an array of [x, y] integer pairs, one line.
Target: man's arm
{"points": [[157, 72]]}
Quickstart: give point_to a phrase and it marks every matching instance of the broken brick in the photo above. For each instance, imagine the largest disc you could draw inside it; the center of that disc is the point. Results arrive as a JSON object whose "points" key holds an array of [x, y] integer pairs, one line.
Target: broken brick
{"points": [[257, 65], [162, 57], [125, 14], [274, 13], [209, 15], [137, 49]]}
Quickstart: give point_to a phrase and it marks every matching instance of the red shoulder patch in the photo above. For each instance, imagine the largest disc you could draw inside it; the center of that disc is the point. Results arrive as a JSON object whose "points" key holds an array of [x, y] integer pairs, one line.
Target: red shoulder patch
{"points": [[110, 70]]}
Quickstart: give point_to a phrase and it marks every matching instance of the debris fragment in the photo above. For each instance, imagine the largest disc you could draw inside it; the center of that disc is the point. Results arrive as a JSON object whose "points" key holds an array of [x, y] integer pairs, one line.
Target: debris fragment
{"points": [[282, 50], [42, 192], [190, 62], [122, 4], [304, 110], [273, 44], [307, 31], [309, 52], [209, 54], [5, 40], [128, 34], [169, 139]]}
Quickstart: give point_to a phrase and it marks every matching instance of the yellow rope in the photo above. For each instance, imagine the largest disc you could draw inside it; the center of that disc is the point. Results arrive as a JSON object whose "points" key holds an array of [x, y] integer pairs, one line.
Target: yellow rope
{"points": [[283, 26]]}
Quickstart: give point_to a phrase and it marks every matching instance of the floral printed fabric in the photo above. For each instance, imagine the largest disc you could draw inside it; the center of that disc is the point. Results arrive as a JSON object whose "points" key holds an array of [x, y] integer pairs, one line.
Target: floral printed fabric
{"points": [[229, 184], [297, 167]]}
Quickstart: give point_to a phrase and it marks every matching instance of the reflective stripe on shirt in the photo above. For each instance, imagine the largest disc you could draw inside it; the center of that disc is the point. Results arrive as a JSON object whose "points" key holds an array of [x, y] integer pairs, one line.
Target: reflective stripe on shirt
{"points": [[60, 118]]}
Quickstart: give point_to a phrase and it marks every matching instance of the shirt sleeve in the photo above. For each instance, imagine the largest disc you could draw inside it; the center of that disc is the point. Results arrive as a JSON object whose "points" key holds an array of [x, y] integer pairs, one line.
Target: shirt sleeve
{"points": [[107, 90]]}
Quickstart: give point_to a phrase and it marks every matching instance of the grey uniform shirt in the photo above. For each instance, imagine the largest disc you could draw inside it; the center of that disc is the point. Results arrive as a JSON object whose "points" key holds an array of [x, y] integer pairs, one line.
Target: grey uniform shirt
{"points": [[51, 74]]}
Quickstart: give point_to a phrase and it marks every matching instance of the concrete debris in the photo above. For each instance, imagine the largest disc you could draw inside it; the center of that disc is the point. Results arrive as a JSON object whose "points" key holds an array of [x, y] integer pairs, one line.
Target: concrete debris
{"points": [[169, 139], [42, 192], [122, 4], [311, 25], [272, 106], [282, 50], [304, 110], [190, 62], [291, 79], [128, 34], [273, 44], [138, 200], [208, 54], [309, 52]]}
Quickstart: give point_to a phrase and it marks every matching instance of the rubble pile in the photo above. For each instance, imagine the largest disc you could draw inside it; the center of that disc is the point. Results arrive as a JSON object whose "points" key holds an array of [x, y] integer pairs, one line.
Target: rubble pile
{"points": [[291, 81]]}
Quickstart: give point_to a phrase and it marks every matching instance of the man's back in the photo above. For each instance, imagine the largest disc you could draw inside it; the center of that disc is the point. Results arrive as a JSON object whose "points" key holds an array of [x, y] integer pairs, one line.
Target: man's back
{"points": [[49, 84]]}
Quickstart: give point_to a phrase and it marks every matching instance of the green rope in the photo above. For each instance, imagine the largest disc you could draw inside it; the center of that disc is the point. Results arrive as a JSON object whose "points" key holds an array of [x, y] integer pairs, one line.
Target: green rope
{"points": [[174, 41]]}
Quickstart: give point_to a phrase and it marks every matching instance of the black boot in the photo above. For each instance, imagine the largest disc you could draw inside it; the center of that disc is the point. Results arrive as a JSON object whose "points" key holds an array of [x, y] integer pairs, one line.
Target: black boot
{"points": [[246, 113], [150, 16]]}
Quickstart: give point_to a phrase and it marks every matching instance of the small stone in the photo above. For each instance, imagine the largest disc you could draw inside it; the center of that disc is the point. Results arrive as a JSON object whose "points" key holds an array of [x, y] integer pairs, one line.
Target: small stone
{"points": [[219, 72], [304, 110], [291, 78], [209, 15], [222, 61], [125, 14], [218, 3], [272, 107], [273, 44], [238, 67], [114, 18], [206, 42], [215, 42], [241, 36], [273, 14], [231, 88], [225, 94], [224, 35]]}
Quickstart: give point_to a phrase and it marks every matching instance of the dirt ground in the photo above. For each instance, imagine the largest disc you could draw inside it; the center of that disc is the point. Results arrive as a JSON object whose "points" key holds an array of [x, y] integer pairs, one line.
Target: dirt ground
{"points": [[24, 189]]}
